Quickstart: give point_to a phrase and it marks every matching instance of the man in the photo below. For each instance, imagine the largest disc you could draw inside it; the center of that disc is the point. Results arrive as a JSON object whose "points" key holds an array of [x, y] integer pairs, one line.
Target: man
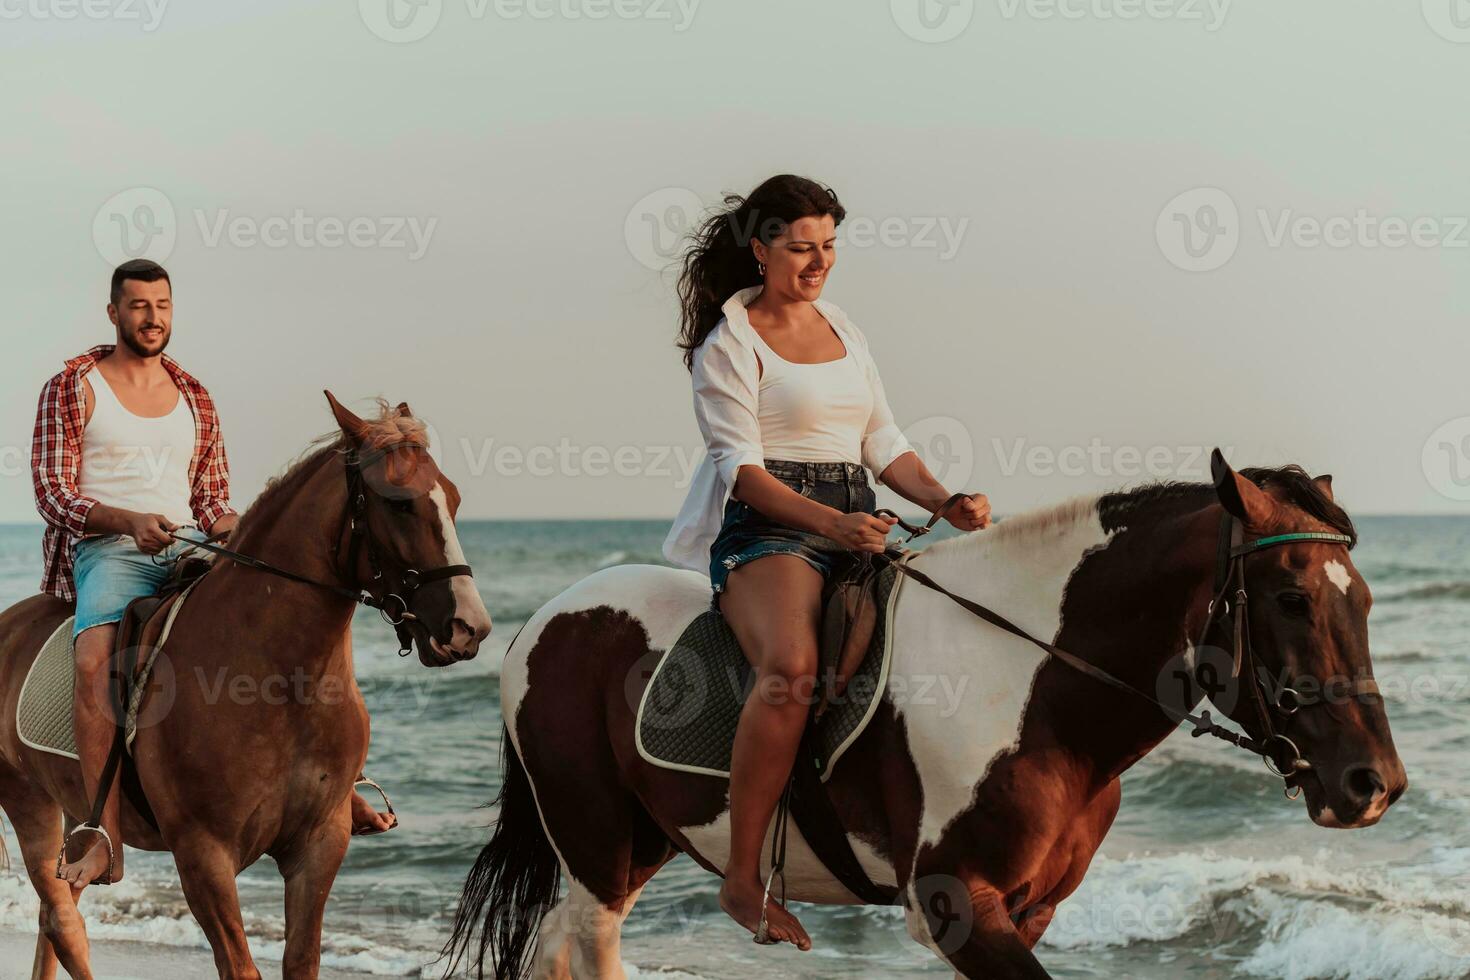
{"points": [[127, 453]]}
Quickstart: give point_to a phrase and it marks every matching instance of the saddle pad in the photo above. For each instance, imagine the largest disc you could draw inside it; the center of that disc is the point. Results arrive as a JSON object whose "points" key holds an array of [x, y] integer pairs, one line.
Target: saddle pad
{"points": [[43, 715], [689, 710]]}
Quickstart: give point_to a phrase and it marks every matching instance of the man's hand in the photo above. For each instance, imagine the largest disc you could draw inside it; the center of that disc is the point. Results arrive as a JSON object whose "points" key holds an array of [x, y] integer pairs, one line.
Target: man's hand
{"points": [[151, 532], [970, 513]]}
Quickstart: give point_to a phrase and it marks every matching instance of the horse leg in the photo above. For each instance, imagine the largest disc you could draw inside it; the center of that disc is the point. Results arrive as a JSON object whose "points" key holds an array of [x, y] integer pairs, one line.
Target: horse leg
{"points": [[988, 945], [595, 931], [309, 875], [61, 934], [207, 871], [554, 945]]}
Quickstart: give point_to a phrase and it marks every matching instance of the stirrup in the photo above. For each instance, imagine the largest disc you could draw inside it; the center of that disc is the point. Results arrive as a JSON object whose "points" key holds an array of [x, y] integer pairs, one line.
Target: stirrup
{"points": [[763, 930], [106, 839], [364, 781]]}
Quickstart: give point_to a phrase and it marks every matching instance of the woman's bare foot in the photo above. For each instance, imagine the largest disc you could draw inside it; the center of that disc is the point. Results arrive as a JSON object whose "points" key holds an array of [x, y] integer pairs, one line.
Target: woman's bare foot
{"points": [[366, 821], [742, 902], [90, 868]]}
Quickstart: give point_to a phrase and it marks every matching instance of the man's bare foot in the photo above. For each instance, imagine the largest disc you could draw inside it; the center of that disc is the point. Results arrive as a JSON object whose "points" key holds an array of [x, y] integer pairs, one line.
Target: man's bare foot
{"points": [[366, 821], [742, 902], [90, 868]]}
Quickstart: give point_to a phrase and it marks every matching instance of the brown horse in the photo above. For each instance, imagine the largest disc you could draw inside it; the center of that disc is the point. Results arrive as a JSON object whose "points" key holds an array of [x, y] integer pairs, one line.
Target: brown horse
{"points": [[983, 809], [253, 746]]}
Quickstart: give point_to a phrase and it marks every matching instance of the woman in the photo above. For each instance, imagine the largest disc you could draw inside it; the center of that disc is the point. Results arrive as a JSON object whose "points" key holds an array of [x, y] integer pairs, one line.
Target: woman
{"points": [[791, 408]]}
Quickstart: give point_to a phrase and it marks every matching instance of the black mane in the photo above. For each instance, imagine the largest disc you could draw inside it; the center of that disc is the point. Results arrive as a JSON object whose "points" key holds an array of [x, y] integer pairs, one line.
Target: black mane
{"points": [[1119, 508]]}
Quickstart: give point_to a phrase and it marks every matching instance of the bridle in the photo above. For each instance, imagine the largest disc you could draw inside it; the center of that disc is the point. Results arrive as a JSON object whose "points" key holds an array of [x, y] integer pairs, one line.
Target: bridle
{"points": [[1273, 745], [396, 606], [395, 603], [1275, 710]]}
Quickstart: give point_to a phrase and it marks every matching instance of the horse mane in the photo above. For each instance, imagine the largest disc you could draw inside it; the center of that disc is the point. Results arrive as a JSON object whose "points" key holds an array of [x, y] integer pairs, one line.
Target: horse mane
{"points": [[389, 428], [1118, 509]]}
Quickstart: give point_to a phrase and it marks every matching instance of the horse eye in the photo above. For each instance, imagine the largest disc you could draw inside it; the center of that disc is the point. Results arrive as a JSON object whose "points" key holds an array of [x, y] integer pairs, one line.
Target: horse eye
{"points": [[402, 506], [1293, 603]]}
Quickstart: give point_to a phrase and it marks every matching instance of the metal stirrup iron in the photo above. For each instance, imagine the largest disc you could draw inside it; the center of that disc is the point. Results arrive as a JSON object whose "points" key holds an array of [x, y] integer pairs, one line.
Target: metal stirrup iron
{"points": [[106, 839]]}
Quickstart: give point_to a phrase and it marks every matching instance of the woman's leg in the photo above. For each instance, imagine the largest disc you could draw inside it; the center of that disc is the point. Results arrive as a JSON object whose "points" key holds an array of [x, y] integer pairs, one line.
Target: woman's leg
{"points": [[773, 604]]}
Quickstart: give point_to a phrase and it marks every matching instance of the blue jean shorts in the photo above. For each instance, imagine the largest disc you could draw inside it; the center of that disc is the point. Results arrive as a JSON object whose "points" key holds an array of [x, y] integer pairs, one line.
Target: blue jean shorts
{"points": [[111, 572], [746, 534]]}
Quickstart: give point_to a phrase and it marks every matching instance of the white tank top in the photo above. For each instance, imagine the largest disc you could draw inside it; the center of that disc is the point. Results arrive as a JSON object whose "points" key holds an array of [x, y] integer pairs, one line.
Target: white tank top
{"points": [[137, 463], [813, 413]]}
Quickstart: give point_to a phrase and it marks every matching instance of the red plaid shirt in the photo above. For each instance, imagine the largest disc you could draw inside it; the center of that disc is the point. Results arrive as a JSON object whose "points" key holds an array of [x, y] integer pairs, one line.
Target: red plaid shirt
{"points": [[56, 461]]}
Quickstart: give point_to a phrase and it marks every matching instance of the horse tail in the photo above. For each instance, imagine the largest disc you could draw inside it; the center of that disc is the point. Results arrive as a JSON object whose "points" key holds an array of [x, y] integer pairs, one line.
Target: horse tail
{"points": [[515, 881]]}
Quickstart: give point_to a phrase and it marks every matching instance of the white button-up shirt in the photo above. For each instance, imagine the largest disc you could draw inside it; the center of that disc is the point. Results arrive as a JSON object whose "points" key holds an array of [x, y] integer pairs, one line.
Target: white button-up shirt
{"points": [[726, 387]]}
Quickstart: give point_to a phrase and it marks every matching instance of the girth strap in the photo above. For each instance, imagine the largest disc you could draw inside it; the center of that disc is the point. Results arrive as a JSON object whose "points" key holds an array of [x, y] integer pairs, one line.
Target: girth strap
{"points": [[811, 807]]}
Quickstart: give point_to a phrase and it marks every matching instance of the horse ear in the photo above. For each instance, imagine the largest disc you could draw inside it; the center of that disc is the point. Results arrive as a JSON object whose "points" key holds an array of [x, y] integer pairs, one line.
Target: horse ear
{"points": [[1239, 496], [1324, 483], [352, 426], [404, 410]]}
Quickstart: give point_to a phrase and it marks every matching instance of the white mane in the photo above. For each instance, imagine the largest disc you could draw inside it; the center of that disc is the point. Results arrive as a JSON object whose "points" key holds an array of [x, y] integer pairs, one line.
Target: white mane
{"points": [[1027, 529]]}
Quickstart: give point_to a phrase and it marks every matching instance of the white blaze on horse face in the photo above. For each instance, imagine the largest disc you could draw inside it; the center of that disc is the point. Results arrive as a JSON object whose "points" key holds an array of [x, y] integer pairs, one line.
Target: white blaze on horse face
{"points": [[1338, 575], [468, 606], [1021, 572]]}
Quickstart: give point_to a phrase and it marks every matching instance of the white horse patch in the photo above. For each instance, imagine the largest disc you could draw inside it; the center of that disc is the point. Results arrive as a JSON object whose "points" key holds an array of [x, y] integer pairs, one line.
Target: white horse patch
{"points": [[1338, 575]]}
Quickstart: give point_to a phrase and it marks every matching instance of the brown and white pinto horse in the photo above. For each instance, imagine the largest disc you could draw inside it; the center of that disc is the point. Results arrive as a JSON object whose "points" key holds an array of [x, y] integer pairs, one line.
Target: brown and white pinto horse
{"points": [[983, 818], [255, 726]]}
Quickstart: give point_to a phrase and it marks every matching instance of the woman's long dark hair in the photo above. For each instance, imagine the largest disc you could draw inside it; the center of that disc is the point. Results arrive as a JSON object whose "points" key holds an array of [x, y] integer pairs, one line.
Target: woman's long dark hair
{"points": [[719, 262]]}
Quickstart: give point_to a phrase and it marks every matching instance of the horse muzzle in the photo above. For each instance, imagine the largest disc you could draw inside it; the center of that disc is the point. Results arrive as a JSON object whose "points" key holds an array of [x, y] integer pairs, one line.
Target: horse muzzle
{"points": [[1353, 796]]}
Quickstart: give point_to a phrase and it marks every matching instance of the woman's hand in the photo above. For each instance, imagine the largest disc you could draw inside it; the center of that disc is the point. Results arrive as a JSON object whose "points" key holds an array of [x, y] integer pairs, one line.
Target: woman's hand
{"points": [[859, 531], [970, 512]]}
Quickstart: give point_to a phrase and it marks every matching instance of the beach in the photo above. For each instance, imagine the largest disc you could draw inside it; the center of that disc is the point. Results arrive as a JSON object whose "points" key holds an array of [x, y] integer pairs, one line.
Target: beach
{"points": [[120, 960]]}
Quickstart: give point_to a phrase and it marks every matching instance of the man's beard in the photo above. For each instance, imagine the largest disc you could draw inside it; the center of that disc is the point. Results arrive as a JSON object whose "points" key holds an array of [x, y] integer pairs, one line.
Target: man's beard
{"points": [[136, 346]]}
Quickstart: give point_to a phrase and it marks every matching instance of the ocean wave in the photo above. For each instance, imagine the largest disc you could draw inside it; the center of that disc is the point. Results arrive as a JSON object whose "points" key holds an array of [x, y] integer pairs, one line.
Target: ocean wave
{"points": [[1458, 591], [1284, 917]]}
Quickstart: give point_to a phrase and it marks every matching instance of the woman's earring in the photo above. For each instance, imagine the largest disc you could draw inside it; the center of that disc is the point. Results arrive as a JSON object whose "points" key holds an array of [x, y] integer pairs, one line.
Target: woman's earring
{"points": [[761, 266]]}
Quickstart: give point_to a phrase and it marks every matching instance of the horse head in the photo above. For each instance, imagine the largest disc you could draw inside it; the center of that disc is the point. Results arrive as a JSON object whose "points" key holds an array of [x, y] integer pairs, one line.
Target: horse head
{"points": [[406, 511], [1307, 630]]}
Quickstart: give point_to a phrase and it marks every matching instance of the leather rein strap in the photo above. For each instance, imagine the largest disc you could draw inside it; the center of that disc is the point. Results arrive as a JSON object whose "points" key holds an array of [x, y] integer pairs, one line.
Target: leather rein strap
{"points": [[1273, 744]]}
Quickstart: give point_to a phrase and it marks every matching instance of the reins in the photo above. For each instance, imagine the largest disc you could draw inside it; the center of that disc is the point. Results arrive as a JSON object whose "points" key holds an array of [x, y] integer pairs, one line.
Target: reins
{"points": [[1230, 574]]}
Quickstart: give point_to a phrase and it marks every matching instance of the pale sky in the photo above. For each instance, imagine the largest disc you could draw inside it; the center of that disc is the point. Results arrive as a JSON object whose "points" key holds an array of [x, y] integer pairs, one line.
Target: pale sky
{"points": [[472, 221]]}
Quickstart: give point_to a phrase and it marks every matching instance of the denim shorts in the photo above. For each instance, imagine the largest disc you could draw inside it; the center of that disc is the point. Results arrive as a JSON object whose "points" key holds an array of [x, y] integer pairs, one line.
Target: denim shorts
{"points": [[111, 572], [746, 534]]}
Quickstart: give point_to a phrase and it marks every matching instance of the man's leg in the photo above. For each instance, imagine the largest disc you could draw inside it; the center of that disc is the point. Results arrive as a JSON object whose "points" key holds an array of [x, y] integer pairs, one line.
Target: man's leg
{"points": [[95, 728]]}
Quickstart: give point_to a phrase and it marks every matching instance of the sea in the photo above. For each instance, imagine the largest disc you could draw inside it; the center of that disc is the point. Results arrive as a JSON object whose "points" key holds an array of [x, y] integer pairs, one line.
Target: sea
{"points": [[1208, 872]]}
